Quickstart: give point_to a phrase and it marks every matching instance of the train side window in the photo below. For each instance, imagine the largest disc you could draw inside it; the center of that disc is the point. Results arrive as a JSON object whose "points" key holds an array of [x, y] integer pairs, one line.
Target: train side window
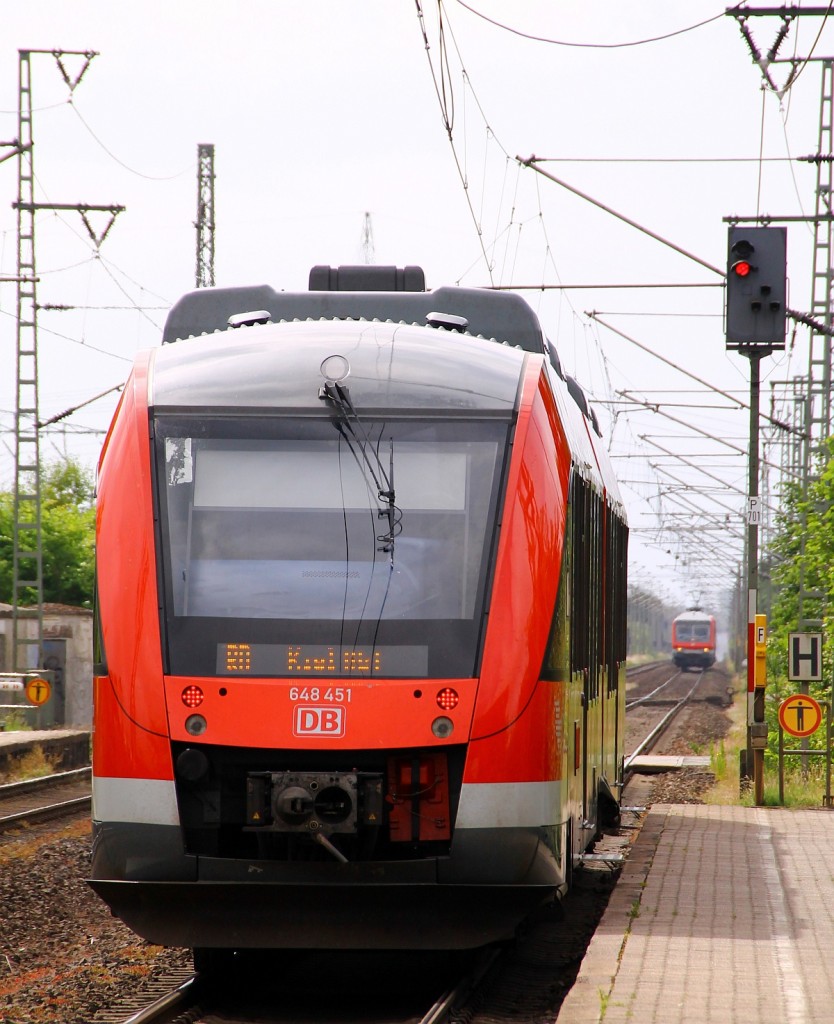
{"points": [[556, 665], [99, 655]]}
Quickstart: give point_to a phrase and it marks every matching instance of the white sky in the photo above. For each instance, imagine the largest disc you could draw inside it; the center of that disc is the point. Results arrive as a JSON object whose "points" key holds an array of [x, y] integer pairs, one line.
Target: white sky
{"points": [[323, 110]]}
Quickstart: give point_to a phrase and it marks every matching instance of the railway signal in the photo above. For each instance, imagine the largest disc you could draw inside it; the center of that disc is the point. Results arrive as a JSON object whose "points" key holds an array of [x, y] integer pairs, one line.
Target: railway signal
{"points": [[755, 326], [756, 287]]}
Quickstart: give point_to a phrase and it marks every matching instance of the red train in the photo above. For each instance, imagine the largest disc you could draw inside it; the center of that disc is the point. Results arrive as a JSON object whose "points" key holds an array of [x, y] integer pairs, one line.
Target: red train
{"points": [[360, 621], [693, 639]]}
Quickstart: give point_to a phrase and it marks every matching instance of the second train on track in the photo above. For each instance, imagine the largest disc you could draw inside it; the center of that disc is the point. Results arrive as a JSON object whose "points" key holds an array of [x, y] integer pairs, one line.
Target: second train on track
{"points": [[693, 639]]}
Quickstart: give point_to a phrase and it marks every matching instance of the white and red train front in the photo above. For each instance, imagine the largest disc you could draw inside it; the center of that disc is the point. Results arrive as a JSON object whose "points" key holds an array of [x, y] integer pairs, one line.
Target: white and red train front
{"points": [[346, 695]]}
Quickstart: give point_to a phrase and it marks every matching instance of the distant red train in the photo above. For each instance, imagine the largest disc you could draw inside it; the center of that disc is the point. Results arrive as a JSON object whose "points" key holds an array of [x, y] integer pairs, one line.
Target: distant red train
{"points": [[361, 629], [693, 639]]}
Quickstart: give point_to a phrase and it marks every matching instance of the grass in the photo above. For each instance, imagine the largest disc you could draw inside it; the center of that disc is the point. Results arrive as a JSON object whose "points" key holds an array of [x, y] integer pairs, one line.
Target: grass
{"points": [[16, 721], [32, 765]]}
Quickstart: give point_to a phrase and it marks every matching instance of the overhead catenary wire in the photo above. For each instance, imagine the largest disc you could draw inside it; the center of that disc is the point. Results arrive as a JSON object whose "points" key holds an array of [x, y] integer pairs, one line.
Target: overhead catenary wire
{"points": [[591, 46], [655, 408], [741, 403], [657, 237], [532, 161], [121, 163], [81, 405]]}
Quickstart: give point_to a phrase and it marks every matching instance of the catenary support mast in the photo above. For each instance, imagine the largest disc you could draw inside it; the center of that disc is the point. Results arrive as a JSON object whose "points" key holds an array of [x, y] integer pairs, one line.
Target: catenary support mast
{"points": [[27, 541], [205, 215]]}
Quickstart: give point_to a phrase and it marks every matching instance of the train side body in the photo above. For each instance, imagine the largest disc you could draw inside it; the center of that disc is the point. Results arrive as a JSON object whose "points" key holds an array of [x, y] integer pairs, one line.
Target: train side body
{"points": [[693, 640], [361, 633]]}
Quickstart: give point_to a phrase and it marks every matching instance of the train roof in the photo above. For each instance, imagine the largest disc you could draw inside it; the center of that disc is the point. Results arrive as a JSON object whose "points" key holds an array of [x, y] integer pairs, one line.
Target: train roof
{"points": [[693, 615], [491, 314], [383, 365]]}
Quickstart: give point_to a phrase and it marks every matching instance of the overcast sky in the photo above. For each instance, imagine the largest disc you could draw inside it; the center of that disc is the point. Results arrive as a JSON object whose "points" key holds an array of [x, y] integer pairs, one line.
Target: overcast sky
{"points": [[323, 111]]}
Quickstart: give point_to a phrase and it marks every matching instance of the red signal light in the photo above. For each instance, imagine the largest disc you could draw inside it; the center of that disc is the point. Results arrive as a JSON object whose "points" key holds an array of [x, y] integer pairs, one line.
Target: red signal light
{"points": [[192, 696], [447, 699], [741, 268]]}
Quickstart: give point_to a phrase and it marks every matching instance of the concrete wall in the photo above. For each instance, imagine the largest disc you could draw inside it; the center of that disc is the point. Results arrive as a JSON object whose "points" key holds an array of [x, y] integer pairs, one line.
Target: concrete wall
{"points": [[68, 651]]}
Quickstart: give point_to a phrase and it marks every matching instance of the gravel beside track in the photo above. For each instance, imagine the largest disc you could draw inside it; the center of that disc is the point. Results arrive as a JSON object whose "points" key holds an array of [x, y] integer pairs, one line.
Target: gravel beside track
{"points": [[62, 956]]}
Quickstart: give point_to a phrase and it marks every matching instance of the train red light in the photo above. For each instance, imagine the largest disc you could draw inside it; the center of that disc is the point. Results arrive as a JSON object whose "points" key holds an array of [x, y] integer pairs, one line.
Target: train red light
{"points": [[448, 699], [192, 696]]}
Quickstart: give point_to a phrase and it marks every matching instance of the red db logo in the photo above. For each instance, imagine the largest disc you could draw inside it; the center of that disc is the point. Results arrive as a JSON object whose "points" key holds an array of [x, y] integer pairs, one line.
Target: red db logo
{"points": [[316, 721]]}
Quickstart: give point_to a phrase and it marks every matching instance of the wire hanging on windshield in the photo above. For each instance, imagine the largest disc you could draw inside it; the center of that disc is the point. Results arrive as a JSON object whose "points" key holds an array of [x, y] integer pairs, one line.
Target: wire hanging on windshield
{"points": [[352, 429]]}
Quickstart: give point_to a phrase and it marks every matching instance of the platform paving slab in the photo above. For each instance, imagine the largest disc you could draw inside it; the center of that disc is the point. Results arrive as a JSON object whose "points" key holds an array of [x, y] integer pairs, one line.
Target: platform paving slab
{"points": [[721, 914]]}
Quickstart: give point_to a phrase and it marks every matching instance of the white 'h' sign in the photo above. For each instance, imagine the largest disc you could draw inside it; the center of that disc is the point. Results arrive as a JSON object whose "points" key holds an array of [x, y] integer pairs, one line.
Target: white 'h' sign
{"points": [[805, 657]]}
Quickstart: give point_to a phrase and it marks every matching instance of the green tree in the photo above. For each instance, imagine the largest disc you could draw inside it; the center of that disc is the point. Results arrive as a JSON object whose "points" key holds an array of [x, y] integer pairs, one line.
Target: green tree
{"points": [[68, 523], [810, 517]]}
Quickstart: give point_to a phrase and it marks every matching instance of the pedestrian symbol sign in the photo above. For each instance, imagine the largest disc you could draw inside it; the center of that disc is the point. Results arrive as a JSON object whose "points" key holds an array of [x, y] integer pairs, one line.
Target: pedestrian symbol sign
{"points": [[38, 691], [800, 715]]}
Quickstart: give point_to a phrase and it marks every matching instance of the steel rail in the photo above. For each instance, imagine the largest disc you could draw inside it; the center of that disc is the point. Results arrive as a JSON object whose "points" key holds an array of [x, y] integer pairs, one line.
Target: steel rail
{"points": [[443, 1007], [640, 700], [661, 726], [15, 790], [11, 789], [46, 812], [182, 998]]}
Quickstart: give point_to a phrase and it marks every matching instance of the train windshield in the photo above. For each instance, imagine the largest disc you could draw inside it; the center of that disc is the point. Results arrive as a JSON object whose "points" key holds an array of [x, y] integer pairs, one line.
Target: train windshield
{"points": [[297, 546], [692, 631]]}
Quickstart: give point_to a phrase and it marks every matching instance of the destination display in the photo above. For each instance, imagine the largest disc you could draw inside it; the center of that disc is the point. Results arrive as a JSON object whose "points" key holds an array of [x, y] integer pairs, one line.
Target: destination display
{"points": [[318, 661]]}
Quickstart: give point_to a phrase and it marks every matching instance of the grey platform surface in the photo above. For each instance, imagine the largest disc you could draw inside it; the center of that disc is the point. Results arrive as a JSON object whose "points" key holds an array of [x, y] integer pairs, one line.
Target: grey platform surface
{"points": [[721, 914]]}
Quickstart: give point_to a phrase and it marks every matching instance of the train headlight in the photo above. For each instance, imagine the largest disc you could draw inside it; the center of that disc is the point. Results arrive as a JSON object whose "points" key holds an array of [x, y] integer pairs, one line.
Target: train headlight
{"points": [[442, 727], [192, 696], [196, 725], [447, 699]]}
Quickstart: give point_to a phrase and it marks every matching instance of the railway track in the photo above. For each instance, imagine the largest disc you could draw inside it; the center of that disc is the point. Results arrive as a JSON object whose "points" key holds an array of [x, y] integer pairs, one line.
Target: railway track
{"points": [[244, 994], [676, 717], [44, 799], [657, 730], [637, 701]]}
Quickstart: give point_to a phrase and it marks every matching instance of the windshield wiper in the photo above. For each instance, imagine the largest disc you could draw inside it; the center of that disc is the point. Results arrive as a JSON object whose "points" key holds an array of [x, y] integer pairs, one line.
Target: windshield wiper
{"points": [[383, 481]]}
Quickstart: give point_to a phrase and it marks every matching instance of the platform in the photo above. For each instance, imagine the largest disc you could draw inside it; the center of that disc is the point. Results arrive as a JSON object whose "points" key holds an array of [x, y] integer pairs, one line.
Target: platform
{"points": [[721, 915], [65, 748], [650, 763]]}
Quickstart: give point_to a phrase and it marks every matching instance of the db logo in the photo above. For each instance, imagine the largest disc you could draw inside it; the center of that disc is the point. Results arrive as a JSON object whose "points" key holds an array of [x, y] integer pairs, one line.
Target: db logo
{"points": [[314, 721]]}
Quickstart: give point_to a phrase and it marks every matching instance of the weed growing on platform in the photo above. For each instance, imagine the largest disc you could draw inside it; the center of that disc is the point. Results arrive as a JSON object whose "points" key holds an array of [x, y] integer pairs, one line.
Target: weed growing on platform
{"points": [[31, 765], [16, 721]]}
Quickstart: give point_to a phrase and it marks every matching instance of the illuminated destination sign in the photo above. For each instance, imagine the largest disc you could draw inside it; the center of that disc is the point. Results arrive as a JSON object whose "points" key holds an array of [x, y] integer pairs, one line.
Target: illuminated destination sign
{"points": [[321, 660]]}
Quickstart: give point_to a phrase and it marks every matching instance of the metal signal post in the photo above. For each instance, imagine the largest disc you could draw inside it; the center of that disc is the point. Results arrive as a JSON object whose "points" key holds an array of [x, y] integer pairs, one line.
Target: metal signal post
{"points": [[755, 327]]}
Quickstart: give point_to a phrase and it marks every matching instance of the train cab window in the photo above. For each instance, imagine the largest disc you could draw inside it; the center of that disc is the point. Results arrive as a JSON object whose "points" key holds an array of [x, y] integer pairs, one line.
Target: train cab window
{"points": [[307, 534], [692, 632]]}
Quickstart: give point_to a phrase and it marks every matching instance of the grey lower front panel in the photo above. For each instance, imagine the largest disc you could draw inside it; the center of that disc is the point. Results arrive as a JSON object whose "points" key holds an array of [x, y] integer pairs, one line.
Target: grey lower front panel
{"points": [[479, 894], [241, 915]]}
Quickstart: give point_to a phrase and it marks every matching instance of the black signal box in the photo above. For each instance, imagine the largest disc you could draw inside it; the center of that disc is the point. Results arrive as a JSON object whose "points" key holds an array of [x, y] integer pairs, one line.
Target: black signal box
{"points": [[756, 287]]}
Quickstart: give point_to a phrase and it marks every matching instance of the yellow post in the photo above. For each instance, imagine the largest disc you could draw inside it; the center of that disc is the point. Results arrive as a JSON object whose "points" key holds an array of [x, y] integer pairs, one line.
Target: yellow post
{"points": [[759, 726]]}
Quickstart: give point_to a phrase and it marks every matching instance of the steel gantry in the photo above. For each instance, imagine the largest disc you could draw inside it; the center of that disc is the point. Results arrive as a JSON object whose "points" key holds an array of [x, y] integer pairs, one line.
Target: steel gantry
{"points": [[205, 215], [27, 542]]}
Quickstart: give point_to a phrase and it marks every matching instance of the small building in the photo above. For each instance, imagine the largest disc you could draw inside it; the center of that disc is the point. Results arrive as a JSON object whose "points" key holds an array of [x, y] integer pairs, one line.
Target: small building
{"points": [[67, 653]]}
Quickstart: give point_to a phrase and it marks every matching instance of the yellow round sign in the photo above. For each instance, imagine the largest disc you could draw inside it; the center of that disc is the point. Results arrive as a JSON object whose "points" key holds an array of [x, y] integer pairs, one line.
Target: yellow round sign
{"points": [[800, 715], [38, 691]]}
